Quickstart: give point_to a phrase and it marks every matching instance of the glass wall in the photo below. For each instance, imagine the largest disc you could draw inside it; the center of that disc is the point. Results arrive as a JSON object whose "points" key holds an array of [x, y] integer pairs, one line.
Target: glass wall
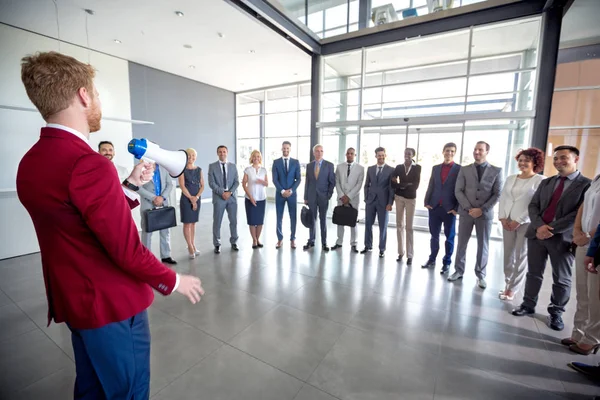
{"points": [[462, 87], [266, 118]]}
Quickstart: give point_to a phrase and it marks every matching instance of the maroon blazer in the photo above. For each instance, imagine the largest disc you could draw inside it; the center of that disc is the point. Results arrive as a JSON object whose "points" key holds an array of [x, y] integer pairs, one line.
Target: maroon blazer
{"points": [[95, 268]]}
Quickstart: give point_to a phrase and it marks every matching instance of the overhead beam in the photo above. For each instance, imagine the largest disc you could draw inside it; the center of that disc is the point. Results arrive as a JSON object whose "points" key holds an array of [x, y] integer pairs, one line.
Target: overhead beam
{"points": [[276, 20], [460, 21]]}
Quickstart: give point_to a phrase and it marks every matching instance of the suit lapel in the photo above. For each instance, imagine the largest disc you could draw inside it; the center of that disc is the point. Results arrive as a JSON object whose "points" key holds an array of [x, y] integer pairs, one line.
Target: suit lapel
{"points": [[572, 187], [474, 172]]}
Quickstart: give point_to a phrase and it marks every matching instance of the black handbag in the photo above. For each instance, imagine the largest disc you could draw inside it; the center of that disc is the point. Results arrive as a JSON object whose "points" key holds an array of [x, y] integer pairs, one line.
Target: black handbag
{"points": [[345, 215], [160, 218]]}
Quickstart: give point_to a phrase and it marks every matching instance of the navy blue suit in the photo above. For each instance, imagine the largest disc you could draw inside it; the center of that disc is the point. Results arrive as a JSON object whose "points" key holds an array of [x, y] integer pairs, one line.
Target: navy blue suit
{"points": [[441, 198], [317, 192], [284, 180]]}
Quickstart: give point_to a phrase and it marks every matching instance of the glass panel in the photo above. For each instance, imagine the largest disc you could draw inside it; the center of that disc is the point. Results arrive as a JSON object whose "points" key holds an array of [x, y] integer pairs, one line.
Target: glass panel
{"points": [[438, 71], [280, 125], [248, 127], [335, 32], [304, 123], [369, 141], [305, 97], [282, 99], [337, 16], [506, 37], [249, 103], [426, 90], [338, 67], [510, 62], [244, 149], [354, 12], [315, 21]]}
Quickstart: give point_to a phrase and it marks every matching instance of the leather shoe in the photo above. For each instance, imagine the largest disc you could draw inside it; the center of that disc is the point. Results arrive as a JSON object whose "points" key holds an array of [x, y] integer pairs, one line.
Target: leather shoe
{"points": [[336, 246], [454, 277], [169, 260], [522, 310], [428, 264], [409, 261], [590, 371], [308, 246], [217, 249], [381, 254], [235, 247], [366, 250], [354, 249], [556, 322], [399, 259], [445, 269], [325, 248]]}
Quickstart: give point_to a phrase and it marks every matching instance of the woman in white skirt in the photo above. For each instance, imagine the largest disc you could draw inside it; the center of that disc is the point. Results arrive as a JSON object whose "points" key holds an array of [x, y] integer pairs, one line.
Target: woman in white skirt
{"points": [[514, 216]]}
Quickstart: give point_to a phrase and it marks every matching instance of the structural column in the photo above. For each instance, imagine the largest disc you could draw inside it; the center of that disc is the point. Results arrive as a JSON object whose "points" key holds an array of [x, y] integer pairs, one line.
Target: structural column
{"points": [[315, 95]]}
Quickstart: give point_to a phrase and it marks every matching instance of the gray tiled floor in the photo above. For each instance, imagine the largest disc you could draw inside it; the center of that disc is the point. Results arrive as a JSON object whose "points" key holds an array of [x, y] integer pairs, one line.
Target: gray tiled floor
{"points": [[292, 325]]}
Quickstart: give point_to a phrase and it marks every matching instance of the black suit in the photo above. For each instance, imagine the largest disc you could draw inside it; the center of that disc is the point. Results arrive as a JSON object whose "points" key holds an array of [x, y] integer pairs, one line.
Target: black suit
{"points": [[557, 247]]}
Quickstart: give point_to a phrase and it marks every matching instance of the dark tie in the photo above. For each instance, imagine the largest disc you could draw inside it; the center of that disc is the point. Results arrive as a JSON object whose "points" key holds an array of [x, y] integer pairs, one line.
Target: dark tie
{"points": [[550, 212], [348, 174], [224, 177], [479, 172], [286, 165], [378, 172]]}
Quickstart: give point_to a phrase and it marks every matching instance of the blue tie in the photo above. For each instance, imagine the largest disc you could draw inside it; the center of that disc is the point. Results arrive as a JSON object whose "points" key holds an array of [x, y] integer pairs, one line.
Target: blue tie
{"points": [[156, 179]]}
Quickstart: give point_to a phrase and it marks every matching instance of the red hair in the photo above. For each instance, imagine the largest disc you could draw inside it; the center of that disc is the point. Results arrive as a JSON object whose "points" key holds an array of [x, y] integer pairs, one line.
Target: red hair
{"points": [[535, 155]]}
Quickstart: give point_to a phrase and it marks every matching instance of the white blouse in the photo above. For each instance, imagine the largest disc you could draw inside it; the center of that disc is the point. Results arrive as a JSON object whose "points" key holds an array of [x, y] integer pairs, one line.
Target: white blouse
{"points": [[259, 192], [516, 196]]}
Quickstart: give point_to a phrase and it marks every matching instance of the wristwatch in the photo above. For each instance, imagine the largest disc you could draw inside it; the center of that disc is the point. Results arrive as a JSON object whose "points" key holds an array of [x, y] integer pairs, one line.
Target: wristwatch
{"points": [[130, 185]]}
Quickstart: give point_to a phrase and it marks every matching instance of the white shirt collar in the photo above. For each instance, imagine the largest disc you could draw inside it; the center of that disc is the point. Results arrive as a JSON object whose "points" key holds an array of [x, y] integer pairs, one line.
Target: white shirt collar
{"points": [[70, 130], [222, 162]]}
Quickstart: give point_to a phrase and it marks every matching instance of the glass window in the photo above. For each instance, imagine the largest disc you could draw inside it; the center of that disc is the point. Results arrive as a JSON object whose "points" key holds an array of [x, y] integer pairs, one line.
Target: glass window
{"points": [[304, 123], [336, 17], [248, 127], [245, 147], [282, 99], [305, 97], [338, 67], [281, 124], [315, 21], [506, 37], [249, 103]]}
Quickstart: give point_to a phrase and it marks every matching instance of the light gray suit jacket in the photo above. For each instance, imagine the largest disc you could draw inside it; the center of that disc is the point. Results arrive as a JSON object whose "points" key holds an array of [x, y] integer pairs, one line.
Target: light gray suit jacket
{"points": [[471, 193], [215, 181], [147, 193], [349, 185]]}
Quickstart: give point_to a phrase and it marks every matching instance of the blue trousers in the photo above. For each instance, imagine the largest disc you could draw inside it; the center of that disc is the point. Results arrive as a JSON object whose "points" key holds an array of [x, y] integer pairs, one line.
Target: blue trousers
{"points": [[373, 210], [437, 217], [113, 362], [280, 202]]}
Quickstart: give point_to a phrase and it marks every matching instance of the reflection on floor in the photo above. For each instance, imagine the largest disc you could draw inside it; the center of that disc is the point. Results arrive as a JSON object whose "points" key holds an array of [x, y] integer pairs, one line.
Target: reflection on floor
{"points": [[287, 324]]}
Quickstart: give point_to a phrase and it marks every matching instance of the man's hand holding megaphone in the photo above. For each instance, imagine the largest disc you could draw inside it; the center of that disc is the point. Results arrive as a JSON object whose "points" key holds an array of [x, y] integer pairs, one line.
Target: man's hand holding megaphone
{"points": [[142, 173]]}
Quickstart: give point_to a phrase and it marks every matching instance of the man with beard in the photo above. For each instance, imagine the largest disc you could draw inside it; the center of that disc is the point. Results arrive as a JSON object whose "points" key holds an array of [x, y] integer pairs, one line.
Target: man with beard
{"points": [[107, 149], [98, 275]]}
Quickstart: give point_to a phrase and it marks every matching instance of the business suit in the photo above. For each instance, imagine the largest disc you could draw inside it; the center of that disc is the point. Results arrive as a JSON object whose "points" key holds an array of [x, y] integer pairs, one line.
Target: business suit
{"points": [[218, 187], [406, 200], [474, 193], [557, 247], [378, 195], [442, 200], [147, 194], [283, 180], [98, 276], [348, 182], [514, 206], [317, 192]]}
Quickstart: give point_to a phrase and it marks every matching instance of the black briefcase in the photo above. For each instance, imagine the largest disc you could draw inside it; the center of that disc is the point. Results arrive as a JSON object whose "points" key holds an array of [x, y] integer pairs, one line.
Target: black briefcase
{"points": [[345, 215], [157, 219]]}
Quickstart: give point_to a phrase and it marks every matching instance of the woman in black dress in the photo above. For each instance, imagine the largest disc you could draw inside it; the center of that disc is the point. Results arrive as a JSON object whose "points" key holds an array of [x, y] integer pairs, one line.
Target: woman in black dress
{"points": [[191, 183]]}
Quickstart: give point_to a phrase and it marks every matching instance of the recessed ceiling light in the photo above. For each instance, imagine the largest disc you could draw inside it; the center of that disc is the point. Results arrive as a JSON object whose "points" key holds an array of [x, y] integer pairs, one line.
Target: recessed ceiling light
{"points": [[187, 46], [179, 13], [252, 51], [221, 35], [373, 62], [242, 84], [295, 74], [117, 41], [192, 67], [91, 12]]}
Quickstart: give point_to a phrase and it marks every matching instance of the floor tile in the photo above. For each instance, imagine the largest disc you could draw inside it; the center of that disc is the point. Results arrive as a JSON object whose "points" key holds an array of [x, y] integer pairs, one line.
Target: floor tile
{"points": [[14, 322], [58, 386], [311, 393]]}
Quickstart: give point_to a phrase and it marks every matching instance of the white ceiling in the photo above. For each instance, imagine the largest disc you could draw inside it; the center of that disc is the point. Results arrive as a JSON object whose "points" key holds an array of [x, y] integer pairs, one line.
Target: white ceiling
{"points": [[153, 35], [580, 24]]}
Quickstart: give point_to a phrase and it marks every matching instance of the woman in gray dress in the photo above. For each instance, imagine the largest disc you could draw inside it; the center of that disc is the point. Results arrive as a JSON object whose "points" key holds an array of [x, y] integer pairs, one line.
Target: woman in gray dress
{"points": [[191, 183]]}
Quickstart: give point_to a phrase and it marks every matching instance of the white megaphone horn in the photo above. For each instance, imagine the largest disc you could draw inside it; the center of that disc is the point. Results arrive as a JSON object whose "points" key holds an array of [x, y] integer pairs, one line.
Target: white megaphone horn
{"points": [[173, 161]]}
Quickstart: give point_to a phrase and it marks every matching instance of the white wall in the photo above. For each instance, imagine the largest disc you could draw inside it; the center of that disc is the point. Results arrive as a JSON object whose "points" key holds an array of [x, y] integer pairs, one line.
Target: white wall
{"points": [[19, 130]]}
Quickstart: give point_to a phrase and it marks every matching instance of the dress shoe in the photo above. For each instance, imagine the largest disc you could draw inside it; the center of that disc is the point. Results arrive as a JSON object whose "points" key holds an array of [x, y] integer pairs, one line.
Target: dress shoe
{"points": [[366, 250], [254, 246], [217, 249], [481, 283], [260, 245], [336, 246], [522, 310], [591, 371], [556, 323], [584, 352], [409, 261], [192, 256], [325, 248], [445, 268], [381, 254], [428, 264], [568, 342], [354, 249], [454, 277], [308, 246], [293, 244], [235, 247], [169, 260], [399, 259]]}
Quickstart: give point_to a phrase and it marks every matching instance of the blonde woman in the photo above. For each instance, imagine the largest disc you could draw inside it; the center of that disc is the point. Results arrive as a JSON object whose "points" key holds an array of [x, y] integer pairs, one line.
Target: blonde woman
{"points": [[254, 183], [191, 183]]}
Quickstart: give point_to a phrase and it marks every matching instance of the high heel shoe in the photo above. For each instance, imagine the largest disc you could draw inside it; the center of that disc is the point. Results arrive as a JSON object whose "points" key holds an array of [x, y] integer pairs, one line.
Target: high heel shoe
{"points": [[259, 244], [502, 296], [576, 349], [192, 256]]}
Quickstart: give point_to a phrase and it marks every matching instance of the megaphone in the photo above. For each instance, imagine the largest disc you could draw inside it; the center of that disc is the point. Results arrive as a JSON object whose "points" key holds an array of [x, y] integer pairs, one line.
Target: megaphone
{"points": [[173, 161]]}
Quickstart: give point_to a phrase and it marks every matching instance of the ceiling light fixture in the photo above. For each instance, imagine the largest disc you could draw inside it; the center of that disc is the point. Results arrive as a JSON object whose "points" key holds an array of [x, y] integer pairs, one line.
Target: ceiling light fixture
{"points": [[221, 35], [179, 13], [187, 46], [252, 52], [192, 67], [90, 12], [117, 41]]}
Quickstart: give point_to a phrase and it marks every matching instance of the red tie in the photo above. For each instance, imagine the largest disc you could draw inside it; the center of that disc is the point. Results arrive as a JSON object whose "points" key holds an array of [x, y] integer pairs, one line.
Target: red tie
{"points": [[550, 212]]}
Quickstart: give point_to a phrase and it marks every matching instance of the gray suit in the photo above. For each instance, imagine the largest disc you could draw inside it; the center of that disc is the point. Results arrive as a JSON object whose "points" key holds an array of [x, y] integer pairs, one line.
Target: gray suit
{"points": [[557, 247], [215, 182], [317, 192], [147, 195], [473, 193], [350, 186], [378, 194]]}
